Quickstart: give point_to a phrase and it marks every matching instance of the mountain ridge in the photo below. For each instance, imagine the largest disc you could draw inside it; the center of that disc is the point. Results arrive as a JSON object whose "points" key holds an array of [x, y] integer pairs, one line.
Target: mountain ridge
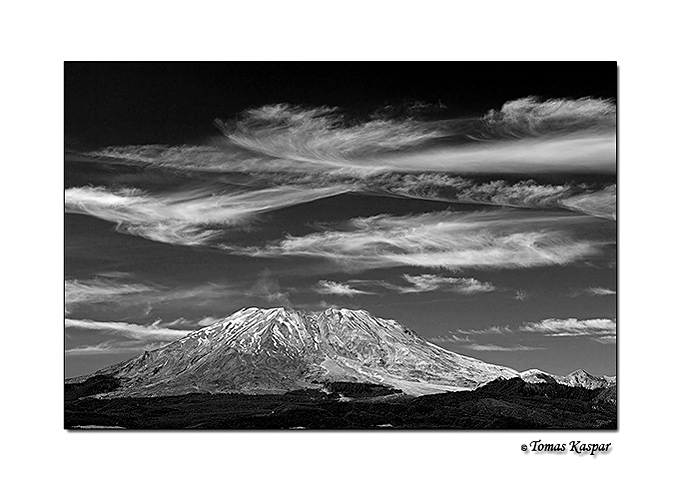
{"points": [[578, 378], [278, 350]]}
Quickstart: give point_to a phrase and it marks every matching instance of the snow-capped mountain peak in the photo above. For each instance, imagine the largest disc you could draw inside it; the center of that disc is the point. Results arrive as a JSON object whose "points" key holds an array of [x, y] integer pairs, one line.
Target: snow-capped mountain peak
{"points": [[275, 350], [579, 378]]}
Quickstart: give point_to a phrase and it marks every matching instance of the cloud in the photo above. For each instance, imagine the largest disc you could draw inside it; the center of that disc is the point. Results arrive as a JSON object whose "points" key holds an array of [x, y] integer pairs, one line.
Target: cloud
{"points": [[444, 240], [582, 198], [469, 344], [334, 288], [521, 295], [192, 324], [208, 321], [322, 134], [526, 193], [268, 288], [111, 294], [572, 327], [599, 291], [606, 340], [601, 203], [158, 155], [278, 176], [432, 282], [195, 217], [154, 332], [112, 347], [450, 338], [100, 290], [564, 134], [417, 284], [601, 328], [499, 348], [531, 116], [525, 136], [285, 155], [569, 154], [489, 330]]}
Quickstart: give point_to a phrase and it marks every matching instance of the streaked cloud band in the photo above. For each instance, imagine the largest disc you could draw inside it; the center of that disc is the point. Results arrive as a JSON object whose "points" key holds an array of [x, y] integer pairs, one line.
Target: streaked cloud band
{"points": [[444, 240]]}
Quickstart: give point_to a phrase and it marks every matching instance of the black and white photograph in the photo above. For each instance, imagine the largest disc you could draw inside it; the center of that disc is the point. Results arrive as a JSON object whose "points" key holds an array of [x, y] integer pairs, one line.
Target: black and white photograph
{"points": [[340, 246], [381, 247]]}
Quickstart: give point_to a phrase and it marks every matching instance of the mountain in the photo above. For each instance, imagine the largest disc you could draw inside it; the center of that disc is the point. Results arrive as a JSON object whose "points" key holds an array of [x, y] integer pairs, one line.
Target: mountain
{"points": [[273, 351], [579, 379]]}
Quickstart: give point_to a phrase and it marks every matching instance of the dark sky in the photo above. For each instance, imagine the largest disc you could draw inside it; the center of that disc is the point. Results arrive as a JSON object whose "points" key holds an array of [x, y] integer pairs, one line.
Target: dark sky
{"points": [[176, 103], [492, 234]]}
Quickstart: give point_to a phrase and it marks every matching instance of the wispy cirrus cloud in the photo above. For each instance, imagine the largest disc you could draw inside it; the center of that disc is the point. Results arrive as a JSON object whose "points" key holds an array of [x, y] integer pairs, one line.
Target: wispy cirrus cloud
{"points": [[582, 198], [533, 116], [557, 135], [177, 157], [200, 216], [492, 330], [572, 327], [432, 282], [599, 291], [194, 217], [450, 338], [322, 134], [289, 155], [606, 340], [583, 153], [191, 324], [444, 240], [123, 296], [112, 347], [275, 177], [414, 284], [500, 348], [601, 203], [157, 331], [553, 327], [292, 155], [78, 292], [342, 289], [467, 343], [525, 136], [133, 338], [600, 330]]}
